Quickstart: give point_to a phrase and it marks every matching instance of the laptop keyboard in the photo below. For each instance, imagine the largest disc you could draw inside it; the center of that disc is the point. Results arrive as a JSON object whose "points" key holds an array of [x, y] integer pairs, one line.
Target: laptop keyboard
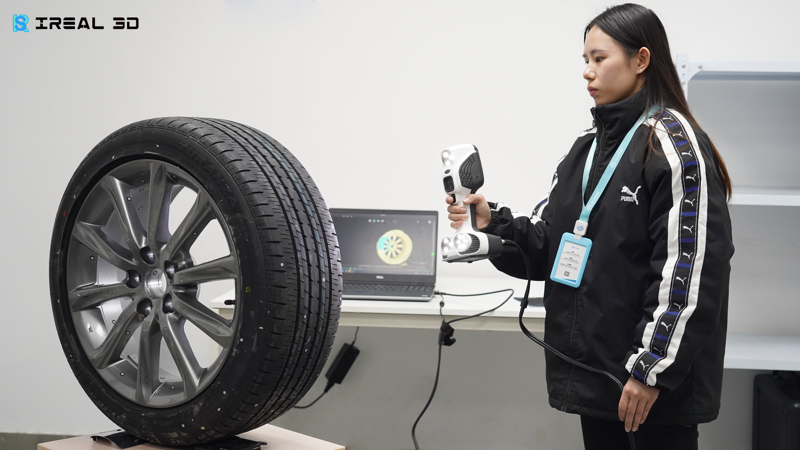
{"points": [[415, 288]]}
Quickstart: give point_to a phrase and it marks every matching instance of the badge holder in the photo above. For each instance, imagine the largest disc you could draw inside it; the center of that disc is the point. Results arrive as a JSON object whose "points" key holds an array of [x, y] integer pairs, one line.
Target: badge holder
{"points": [[573, 252]]}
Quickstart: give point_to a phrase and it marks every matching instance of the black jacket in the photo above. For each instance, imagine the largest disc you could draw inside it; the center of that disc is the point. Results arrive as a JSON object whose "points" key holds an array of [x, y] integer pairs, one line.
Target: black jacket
{"points": [[653, 302]]}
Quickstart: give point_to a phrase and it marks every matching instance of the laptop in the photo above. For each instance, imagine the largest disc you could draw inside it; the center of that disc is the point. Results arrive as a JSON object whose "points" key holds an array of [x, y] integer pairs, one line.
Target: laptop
{"points": [[387, 255]]}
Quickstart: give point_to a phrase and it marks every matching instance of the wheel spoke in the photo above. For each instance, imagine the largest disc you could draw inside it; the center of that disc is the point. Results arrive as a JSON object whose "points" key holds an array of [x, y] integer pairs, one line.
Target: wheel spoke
{"points": [[181, 350], [192, 225], [109, 351], [149, 352], [204, 318], [91, 236], [158, 206], [126, 212], [218, 269], [85, 297]]}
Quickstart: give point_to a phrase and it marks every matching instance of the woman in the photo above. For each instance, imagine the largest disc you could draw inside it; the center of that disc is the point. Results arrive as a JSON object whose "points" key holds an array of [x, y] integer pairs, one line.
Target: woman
{"points": [[651, 307]]}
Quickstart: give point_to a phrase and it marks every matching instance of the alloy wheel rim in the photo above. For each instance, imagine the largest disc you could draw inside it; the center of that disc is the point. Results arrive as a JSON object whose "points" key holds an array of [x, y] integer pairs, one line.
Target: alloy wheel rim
{"points": [[133, 284]]}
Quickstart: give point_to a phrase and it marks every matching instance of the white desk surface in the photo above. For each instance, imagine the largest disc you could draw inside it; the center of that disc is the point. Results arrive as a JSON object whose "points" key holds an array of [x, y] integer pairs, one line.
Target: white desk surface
{"points": [[743, 351], [426, 314], [276, 439], [410, 314]]}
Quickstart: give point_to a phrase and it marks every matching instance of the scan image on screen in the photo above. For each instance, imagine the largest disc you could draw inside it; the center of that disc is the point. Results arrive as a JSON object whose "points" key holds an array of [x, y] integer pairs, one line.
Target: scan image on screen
{"points": [[394, 247], [386, 243]]}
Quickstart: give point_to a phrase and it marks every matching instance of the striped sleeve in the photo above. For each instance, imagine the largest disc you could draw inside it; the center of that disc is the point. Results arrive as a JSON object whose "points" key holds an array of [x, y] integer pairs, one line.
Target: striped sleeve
{"points": [[683, 306]]}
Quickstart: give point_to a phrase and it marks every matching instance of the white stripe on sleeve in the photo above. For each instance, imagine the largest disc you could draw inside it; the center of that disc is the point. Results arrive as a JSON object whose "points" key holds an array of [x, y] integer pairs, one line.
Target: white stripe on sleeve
{"points": [[673, 251]]}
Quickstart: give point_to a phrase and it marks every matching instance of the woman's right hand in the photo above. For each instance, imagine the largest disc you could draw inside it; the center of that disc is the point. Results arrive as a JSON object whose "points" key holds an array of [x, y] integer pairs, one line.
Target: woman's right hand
{"points": [[458, 214]]}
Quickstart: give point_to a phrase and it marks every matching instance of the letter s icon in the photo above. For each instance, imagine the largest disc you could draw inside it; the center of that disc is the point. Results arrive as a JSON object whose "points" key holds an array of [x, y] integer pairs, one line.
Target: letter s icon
{"points": [[20, 22]]}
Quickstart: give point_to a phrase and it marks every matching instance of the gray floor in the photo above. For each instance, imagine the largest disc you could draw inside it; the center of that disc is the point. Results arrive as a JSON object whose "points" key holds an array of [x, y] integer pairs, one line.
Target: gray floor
{"points": [[21, 441]]}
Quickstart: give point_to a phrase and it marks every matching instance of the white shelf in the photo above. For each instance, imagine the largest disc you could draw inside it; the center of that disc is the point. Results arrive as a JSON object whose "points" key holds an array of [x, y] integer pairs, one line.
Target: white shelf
{"points": [[743, 70], [762, 352], [733, 70], [765, 196]]}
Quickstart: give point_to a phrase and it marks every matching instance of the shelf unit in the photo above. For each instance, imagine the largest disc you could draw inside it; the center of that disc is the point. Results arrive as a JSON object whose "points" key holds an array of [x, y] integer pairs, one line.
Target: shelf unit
{"points": [[733, 70], [765, 196], [762, 351], [761, 149]]}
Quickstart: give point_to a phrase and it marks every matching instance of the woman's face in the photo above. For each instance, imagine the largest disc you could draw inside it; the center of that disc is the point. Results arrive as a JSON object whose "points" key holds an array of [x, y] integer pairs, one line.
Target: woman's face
{"points": [[611, 74]]}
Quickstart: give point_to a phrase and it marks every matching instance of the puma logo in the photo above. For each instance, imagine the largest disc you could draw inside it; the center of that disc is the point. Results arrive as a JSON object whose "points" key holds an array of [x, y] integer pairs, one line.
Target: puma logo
{"points": [[686, 153], [682, 280], [693, 177], [632, 195], [688, 255], [689, 228], [644, 366], [666, 326], [691, 202]]}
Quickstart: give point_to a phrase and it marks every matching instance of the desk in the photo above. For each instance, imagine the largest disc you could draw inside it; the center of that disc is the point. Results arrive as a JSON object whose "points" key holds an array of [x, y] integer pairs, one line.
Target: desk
{"points": [[276, 439], [743, 350], [408, 314], [367, 313]]}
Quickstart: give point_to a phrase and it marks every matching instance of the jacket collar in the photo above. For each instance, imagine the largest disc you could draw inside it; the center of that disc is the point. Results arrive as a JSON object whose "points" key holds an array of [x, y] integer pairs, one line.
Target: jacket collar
{"points": [[615, 119]]}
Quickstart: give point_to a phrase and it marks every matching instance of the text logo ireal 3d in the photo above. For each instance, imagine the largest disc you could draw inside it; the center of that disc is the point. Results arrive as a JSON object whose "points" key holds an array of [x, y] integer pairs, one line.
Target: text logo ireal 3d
{"points": [[20, 23]]}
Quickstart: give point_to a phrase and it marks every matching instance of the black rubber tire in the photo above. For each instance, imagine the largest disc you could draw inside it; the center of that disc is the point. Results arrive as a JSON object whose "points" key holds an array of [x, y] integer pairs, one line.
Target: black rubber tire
{"points": [[289, 267]]}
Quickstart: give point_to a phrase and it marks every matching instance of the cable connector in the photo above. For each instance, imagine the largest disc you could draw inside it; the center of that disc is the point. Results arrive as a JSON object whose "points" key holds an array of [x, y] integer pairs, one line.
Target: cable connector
{"points": [[344, 359], [446, 334], [511, 247]]}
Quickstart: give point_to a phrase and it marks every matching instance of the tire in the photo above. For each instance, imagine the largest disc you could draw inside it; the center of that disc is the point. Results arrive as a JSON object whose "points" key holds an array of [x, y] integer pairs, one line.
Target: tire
{"points": [[129, 294]]}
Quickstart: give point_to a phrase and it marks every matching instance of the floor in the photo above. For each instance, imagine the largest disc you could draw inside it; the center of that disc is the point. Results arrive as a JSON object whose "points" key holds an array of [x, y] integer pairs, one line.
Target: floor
{"points": [[24, 441]]}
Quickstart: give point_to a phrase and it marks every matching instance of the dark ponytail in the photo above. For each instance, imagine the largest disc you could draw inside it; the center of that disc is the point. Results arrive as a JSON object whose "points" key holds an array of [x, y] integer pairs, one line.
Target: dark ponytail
{"points": [[633, 27]]}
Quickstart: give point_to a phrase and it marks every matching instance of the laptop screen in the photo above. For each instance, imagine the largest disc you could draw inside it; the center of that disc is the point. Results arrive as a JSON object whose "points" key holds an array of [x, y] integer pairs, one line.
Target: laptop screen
{"points": [[383, 245]]}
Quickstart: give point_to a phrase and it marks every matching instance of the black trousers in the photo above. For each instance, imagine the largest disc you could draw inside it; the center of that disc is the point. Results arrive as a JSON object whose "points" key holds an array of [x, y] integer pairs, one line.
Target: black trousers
{"points": [[599, 434]]}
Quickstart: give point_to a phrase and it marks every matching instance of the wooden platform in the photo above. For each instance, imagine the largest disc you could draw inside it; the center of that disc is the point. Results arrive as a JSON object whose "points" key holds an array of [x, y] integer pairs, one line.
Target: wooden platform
{"points": [[276, 439]]}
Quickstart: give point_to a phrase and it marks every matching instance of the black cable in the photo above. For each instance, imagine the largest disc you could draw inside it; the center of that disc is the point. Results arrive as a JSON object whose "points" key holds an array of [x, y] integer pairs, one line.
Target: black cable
{"points": [[441, 342], [355, 337], [315, 400], [531, 336], [475, 295], [470, 295], [435, 383]]}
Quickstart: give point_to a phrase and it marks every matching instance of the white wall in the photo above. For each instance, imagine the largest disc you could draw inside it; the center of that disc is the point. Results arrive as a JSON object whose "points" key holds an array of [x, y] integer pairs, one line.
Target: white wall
{"points": [[365, 93]]}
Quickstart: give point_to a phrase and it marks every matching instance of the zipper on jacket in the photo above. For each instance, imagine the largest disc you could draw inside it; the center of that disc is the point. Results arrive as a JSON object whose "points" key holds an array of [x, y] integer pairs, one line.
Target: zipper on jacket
{"points": [[571, 348], [595, 163]]}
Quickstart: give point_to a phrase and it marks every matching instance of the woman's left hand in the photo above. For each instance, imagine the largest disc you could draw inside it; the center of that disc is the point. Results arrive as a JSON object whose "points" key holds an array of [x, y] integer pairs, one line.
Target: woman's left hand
{"points": [[635, 403]]}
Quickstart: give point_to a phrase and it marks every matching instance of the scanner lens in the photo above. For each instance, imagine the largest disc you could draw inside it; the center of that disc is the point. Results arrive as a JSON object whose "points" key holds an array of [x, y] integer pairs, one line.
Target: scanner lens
{"points": [[463, 242]]}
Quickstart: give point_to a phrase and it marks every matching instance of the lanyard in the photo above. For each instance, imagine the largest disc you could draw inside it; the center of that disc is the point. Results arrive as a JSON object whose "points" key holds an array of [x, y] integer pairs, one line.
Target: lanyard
{"points": [[583, 223]]}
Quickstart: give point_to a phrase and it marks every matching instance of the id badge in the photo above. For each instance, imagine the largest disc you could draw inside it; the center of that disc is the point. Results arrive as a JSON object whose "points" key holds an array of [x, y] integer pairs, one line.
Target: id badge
{"points": [[571, 260]]}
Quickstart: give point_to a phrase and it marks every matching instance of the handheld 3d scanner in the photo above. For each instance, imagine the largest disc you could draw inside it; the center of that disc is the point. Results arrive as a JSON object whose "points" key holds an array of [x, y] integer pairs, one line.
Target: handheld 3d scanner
{"points": [[463, 175]]}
